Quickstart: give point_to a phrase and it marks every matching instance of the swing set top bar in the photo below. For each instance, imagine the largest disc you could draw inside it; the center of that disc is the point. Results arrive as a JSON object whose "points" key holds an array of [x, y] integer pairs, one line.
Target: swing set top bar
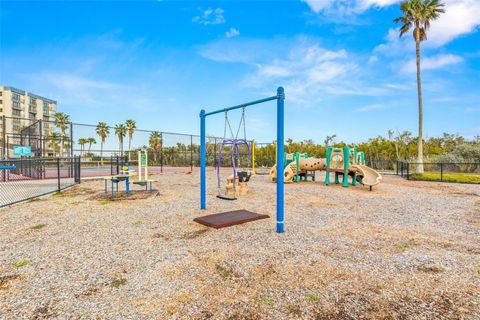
{"points": [[243, 105]]}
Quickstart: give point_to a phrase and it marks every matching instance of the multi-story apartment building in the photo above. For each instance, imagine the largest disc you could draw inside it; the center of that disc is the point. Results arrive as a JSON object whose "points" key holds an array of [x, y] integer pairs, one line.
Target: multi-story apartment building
{"points": [[21, 109]]}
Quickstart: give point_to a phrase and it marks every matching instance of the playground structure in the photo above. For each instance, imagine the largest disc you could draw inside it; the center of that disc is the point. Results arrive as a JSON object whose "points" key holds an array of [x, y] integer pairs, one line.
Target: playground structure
{"points": [[143, 170], [279, 97], [298, 167], [343, 162], [350, 162], [126, 174]]}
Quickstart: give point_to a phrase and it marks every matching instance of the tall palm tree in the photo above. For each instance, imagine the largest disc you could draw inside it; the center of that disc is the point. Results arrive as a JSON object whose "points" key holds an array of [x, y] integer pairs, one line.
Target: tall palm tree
{"points": [[155, 142], [417, 14], [52, 142], [91, 141], [120, 132], [82, 142], [62, 122], [131, 126], [103, 131]]}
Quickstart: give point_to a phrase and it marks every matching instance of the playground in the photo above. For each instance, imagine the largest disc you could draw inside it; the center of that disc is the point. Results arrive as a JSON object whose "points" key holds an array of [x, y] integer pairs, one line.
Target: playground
{"points": [[406, 249]]}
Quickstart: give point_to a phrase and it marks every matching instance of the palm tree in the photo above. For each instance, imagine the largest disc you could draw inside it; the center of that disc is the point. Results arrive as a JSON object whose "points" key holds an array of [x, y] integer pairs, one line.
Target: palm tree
{"points": [[62, 121], [155, 142], [91, 141], [82, 142], [131, 126], [52, 142], [103, 131], [120, 132], [330, 140], [418, 14]]}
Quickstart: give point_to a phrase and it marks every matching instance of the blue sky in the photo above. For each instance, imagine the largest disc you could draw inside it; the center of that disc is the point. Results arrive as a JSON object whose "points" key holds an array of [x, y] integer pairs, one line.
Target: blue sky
{"points": [[344, 69]]}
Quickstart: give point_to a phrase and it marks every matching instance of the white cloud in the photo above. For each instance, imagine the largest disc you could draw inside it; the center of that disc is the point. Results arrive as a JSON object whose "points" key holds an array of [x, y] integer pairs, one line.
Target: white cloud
{"points": [[232, 33], [319, 5], [471, 110], [241, 50], [431, 63], [308, 70], [210, 16], [461, 17], [395, 45], [371, 107], [346, 7]]}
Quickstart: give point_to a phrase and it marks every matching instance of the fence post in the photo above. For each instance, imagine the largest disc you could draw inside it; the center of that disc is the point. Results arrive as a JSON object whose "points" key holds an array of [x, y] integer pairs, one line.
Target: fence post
{"points": [[397, 167], [441, 171], [161, 152], [191, 153], [79, 169], [58, 174], [408, 170], [71, 149]]}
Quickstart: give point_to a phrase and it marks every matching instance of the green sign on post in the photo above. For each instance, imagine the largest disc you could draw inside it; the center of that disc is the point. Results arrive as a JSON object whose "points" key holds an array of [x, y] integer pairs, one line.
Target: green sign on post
{"points": [[22, 151], [143, 159]]}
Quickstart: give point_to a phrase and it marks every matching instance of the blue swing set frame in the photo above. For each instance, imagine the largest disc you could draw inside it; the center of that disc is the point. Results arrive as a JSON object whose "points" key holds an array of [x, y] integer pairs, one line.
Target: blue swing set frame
{"points": [[280, 98]]}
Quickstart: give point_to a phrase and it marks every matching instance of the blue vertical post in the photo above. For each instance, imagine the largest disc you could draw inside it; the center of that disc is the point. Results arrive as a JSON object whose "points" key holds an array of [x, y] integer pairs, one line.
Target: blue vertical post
{"points": [[280, 151], [203, 162]]}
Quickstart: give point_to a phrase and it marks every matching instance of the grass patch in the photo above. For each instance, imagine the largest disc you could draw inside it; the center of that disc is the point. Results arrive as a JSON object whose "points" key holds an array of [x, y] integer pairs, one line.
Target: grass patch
{"points": [[264, 300], [226, 271], [5, 280], [194, 234], [137, 222], [59, 193], [21, 264], [478, 271], [312, 297], [34, 200], [447, 177], [104, 201], [430, 269], [118, 282], [404, 246], [380, 287], [293, 310], [38, 226]]}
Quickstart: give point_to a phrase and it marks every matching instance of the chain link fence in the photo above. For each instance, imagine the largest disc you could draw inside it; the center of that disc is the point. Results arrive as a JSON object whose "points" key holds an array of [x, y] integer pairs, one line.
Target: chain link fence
{"points": [[461, 172], [25, 179]]}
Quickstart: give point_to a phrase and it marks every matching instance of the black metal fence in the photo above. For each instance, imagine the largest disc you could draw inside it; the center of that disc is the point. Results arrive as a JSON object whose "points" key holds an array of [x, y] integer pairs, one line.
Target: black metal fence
{"points": [[462, 172], [25, 179]]}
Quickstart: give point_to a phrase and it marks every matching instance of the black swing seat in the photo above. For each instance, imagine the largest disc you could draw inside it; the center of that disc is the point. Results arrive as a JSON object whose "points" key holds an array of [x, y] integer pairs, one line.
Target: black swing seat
{"points": [[226, 197], [243, 176]]}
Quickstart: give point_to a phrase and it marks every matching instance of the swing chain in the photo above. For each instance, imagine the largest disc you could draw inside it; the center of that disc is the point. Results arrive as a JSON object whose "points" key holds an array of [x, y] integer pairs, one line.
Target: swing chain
{"points": [[227, 124]]}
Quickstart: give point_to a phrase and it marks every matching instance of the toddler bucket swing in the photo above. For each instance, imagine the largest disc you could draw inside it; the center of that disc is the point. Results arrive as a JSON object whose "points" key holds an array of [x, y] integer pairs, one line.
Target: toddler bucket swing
{"points": [[235, 156]]}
